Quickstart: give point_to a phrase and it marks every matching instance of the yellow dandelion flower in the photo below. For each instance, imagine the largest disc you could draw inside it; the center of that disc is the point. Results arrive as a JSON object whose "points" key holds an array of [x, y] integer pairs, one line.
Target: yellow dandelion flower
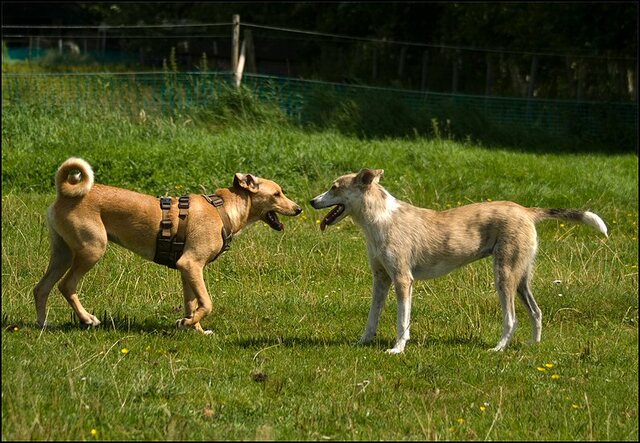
{"points": [[94, 432], [555, 376], [318, 222], [452, 429], [489, 200], [124, 350], [15, 329], [483, 408], [548, 365], [562, 225], [460, 420], [541, 369], [575, 406]]}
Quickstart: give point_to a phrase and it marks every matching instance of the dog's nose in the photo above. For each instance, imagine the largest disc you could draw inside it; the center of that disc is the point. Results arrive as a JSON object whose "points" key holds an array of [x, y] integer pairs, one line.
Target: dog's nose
{"points": [[298, 210]]}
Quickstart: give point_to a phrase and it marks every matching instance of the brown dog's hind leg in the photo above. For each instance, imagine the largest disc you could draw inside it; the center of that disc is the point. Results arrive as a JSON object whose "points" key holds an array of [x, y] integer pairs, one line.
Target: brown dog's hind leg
{"points": [[83, 261], [193, 283], [59, 262]]}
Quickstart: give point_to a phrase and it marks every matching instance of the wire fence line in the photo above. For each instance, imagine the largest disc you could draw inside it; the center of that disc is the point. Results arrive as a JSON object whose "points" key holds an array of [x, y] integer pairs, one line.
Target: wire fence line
{"points": [[105, 28], [163, 92]]}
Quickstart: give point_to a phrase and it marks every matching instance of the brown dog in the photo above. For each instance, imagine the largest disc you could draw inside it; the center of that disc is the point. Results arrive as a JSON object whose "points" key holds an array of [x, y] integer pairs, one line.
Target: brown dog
{"points": [[85, 216]]}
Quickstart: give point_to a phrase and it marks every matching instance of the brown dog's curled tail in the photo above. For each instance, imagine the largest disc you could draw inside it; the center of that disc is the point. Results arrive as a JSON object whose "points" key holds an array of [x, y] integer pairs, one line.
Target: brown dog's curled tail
{"points": [[576, 215], [74, 178]]}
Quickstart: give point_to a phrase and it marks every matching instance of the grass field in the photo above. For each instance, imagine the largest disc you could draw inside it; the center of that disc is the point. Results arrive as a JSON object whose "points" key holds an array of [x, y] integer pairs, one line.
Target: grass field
{"points": [[289, 307]]}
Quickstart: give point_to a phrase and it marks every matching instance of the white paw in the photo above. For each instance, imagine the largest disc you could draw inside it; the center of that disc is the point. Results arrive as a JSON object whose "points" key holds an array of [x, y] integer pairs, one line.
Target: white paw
{"points": [[498, 348], [208, 332], [394, 351], [93, 321]]}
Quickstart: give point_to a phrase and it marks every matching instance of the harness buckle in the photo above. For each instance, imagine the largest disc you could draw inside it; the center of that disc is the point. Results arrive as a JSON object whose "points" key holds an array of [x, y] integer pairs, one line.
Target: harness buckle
{"points": [[165, 203]]}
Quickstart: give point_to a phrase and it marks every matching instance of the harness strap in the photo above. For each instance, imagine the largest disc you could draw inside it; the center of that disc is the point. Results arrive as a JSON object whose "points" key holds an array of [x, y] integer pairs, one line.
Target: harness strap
{"points": [[169, 249], [165, 224], [227, 232]]}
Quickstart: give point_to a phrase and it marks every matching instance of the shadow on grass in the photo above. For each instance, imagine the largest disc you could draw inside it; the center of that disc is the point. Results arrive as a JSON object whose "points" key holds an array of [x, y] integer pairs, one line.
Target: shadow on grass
{"points": [[381, 344], [162, 327], [108, 322]]}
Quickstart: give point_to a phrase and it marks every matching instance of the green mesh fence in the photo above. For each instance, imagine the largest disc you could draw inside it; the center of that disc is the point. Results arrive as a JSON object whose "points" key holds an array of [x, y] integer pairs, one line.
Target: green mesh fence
{"points": [[171, 92]]}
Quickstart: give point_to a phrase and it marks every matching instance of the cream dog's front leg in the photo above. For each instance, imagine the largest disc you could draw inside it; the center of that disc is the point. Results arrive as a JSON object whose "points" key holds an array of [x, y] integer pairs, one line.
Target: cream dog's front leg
{"points": [[404, 288], [381, 285]]}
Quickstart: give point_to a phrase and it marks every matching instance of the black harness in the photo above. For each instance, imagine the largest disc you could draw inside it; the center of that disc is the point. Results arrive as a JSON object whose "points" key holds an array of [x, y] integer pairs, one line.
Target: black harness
{"points": [[169, 248]]}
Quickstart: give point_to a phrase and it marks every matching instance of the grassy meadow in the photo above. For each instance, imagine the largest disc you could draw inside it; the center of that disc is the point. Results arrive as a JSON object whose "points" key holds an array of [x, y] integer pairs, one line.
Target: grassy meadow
{"points": [[289, 307]]}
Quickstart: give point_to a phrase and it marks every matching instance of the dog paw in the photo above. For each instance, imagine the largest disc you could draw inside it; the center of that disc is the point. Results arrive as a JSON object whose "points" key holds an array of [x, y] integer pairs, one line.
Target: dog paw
{"points": [[207, 332], [394, 351], [498, 348], [92, 321]]}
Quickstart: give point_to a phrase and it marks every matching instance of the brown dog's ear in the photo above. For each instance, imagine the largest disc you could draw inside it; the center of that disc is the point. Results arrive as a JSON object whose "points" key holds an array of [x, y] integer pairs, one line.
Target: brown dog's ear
{"points": [[368, 176], [245, 181]]}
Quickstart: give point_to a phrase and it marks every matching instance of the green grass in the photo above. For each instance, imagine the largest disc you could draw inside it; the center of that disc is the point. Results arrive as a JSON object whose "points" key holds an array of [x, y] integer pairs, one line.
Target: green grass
{"points": [[289, 307]]}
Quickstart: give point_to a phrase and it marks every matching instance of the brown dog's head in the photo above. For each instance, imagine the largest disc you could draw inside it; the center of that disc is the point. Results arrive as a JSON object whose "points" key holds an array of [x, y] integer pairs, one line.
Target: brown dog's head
{"points": [[346, 195], [267, 200]]}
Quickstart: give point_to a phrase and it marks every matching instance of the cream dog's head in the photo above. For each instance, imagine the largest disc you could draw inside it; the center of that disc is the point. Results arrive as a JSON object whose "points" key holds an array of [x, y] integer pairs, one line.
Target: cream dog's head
{"points": [[346, 195]]}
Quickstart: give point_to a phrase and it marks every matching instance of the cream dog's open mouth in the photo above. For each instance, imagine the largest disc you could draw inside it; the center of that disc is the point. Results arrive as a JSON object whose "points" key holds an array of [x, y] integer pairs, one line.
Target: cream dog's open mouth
{"points": [[331, 217]]}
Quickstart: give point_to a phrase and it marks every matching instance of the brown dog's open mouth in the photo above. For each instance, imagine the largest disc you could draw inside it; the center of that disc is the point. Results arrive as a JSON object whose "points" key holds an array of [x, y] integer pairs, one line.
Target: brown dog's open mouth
{"points": [[331, 217], [271, 219]]}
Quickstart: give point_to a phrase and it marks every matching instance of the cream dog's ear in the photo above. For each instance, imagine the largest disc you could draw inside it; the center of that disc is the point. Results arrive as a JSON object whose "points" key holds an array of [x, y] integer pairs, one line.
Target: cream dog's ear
{"points": [[368, 176], [246, 181]]}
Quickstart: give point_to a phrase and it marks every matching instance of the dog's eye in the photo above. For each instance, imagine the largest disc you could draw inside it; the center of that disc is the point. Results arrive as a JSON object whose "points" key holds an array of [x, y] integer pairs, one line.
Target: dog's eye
{"points": [[334, 187], [277, 194]]}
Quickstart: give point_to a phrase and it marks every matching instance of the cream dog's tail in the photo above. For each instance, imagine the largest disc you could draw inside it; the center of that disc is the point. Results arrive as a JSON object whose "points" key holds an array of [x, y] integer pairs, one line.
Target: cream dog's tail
{"points": [[575, 215], [74, 178]]}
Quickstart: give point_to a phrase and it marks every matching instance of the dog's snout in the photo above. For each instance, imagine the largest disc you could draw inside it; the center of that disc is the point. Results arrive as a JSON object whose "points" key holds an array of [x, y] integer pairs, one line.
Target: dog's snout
{"points": [[313, 202], [298, 210]]}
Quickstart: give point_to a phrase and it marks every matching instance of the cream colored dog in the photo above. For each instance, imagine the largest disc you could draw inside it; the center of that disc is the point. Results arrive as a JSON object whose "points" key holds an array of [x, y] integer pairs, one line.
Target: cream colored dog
{"points": [[85, 216], [405, 243]]}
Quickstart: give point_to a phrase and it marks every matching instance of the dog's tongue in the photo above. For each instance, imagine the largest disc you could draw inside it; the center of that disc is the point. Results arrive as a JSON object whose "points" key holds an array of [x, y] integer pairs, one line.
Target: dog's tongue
{"points": [[331, 216], [272, 220]]}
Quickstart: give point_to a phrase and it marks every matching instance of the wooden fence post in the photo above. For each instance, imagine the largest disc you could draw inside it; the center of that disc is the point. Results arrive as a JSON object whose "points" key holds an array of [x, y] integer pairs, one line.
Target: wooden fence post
{"points": [[238, 72], [235, 42]]}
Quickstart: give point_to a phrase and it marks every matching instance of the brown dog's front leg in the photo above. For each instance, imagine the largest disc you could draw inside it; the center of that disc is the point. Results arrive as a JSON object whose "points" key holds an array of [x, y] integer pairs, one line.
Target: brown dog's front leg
{"points": [[195, 293], [190, 305]]}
